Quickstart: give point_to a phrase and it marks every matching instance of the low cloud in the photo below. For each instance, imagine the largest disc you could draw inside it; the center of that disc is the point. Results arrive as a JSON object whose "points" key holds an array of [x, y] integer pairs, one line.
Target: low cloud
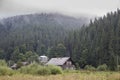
{"points": [[71, 7]]}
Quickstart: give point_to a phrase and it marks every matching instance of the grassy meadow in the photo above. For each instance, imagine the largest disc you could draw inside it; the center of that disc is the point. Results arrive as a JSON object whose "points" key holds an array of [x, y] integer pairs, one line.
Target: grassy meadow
{"points": [[80, 75], [50, 72]]}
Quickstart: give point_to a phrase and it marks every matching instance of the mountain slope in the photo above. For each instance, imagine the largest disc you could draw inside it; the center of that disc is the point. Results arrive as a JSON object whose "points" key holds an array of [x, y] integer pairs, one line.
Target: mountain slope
{"points": [[36, 30], [98, 43]]}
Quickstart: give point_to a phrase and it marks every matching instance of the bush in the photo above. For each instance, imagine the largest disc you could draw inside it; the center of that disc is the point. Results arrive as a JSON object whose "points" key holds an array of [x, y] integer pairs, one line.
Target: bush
{"points": [[19, 64], [5, 71], [55, 69], [102, 67], [30, 69], [118, 67], [90, 68], [37, 69], [24, 70], [43, 71], [3, 63]]}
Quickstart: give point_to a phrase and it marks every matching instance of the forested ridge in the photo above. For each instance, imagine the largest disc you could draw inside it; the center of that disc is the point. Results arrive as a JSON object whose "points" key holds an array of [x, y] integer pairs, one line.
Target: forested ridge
{"points": [[34, 34], [57, 36], [98, 43]]}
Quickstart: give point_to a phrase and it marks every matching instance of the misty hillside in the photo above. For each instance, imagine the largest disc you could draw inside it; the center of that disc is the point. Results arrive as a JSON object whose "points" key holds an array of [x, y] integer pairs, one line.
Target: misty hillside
{"points": [[44, 19], [35, 30]]}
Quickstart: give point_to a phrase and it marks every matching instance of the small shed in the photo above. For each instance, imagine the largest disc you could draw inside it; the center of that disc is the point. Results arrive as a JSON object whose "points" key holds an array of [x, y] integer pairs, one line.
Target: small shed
{"points": [[64, 62], [43, 59], [15, 65]]}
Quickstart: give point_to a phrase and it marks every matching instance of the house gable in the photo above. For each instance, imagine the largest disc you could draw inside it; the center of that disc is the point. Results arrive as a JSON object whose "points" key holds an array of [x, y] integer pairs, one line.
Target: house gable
{"points": [[64, 62]]}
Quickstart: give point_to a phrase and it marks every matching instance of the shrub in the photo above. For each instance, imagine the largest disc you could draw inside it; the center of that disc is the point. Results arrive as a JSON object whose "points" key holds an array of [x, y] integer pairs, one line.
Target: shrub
{"points": [[37, 69], [43, 71], [24, 70], [3, 63], [55, 69], [5, 71], [90, 68], [19, 64], [118, 67], [30, 69], [102, 67]]}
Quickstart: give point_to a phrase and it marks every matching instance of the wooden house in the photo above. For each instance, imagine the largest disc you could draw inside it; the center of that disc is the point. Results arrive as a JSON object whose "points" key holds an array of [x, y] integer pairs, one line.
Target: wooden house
{"points": [[64, 62]]}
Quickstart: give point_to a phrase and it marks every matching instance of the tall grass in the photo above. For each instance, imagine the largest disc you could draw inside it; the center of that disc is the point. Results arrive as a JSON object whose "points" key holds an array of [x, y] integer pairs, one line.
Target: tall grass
{"points": [[71, 76]]}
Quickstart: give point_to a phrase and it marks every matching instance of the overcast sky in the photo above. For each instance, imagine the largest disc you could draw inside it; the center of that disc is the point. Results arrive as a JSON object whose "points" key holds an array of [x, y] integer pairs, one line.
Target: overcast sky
{"points": [[70, 7]]}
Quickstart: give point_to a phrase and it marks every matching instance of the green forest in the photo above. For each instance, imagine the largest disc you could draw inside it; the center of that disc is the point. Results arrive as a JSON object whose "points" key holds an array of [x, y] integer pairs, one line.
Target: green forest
{"points": [[24, 38]]}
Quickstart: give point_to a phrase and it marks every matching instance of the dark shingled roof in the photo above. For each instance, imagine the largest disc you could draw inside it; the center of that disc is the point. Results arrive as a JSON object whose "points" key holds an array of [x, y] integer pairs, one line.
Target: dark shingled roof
{"points": [[57, 61]]}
